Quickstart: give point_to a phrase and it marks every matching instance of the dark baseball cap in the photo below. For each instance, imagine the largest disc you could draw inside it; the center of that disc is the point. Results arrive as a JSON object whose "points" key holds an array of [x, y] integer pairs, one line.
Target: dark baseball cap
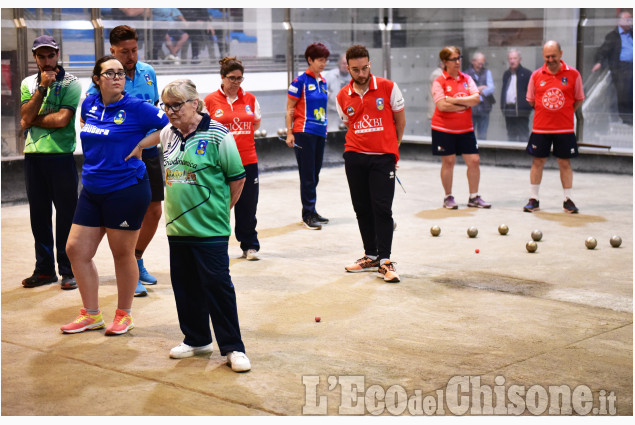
{"points": [[45, 41]]}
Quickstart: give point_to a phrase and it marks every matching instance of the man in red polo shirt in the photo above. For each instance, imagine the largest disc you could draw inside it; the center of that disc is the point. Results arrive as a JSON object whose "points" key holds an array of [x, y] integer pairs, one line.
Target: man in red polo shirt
{"points": [[373, 110], [555, 92]]}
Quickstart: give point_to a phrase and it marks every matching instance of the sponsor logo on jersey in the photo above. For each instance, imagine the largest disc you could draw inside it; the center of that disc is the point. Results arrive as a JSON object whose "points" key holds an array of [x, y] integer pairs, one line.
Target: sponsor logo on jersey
{"points": [[319, 114], [120, 117], [553, 99], [148, 79], [311, 87], [202, 147], [89, 128], [58, 88], [367, 125], [380, 103], [565, 80], [350, 111], [239, 127], [465, 85], [391, 175], [248, 109], [293, 89], [448, 88], [542, 83], [218, 113], [93, 109]]}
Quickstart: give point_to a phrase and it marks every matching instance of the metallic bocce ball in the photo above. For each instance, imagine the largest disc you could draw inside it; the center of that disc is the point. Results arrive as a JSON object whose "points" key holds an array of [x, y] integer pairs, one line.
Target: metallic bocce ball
{"points": [[263, 132], [536, 235], [503, 229], [472, 232], [435, 230], [280, 132], [616, 241], [257, 133], [590, 242], [531, 246]]}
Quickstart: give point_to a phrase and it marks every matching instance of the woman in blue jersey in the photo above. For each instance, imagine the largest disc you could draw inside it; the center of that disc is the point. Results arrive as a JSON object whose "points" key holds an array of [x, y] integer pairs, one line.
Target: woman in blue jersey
{"points": [[306, 124], [204, 178], [115, 195]]}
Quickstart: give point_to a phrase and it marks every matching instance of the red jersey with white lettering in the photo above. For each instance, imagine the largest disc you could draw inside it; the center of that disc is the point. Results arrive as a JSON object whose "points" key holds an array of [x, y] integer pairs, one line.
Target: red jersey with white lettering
{"points": [[371, 125], [453, 122], [553, 96], [239, 117]]}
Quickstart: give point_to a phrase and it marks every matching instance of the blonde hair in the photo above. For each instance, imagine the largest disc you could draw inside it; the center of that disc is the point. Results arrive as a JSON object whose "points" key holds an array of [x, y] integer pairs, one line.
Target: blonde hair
{"points": [[182, 90]]}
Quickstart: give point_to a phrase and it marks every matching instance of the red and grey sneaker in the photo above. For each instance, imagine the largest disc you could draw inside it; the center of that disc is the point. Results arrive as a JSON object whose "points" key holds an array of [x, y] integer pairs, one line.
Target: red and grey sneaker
{"points": [[84, 322], [388, 272], [364, 264], [38, 279], [478, 202], [569, 207], [532, 205], [121, 324]]}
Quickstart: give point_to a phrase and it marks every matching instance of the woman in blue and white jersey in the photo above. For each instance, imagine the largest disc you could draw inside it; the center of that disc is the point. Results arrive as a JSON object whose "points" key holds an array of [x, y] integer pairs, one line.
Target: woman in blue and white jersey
{"points": [[116, 192]]}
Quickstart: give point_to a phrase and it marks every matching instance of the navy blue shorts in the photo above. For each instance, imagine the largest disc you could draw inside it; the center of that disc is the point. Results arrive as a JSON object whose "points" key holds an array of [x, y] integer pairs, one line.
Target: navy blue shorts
{"points": [[152, 158], [565, 145], [122, 209], [444, 144]]}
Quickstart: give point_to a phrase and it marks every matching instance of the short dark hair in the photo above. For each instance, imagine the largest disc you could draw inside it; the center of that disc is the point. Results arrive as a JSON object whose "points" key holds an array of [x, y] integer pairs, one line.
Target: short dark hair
{"points": [[122, 33], [357, 51], [97, 68], [315, 51], [229, 64]]}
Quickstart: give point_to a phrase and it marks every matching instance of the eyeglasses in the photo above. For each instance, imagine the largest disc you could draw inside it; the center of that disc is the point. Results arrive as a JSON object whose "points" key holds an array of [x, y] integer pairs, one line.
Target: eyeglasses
{"points": [[175, 107], [357, 70], [110, 74], [234, 79], [456, 59]]}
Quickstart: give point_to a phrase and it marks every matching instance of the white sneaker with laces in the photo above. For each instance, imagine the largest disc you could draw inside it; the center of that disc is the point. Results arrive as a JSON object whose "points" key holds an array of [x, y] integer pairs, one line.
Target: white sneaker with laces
{"points": [[183, 351], [238, 361], [251, 255]]}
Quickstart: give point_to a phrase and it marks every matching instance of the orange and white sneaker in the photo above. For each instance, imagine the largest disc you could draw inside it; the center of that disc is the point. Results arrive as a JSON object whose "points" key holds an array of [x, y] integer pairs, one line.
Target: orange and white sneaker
{"points": [[388, 272], [84, 322], [121, 324]]}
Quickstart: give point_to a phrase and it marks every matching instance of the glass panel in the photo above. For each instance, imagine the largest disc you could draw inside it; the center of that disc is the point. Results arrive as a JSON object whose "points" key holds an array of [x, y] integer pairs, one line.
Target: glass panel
{"points": [[10, 88]]}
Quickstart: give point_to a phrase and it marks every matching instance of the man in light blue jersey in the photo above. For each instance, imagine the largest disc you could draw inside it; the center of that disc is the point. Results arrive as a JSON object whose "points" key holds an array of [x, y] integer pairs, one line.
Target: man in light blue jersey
{"points": [[141, 82]]}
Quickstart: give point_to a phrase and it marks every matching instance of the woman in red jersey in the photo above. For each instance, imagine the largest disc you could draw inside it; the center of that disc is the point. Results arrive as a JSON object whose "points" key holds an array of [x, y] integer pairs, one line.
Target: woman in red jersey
{"points": [[454, 93], [239, 111]]}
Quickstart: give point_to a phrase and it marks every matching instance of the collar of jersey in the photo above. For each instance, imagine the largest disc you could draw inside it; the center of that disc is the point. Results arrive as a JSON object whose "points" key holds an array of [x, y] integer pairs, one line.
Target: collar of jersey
{"points": [[311, 74], [240, 94], [117, 104], [563, 67], [371, 86], [203, 125], [449, 77]]}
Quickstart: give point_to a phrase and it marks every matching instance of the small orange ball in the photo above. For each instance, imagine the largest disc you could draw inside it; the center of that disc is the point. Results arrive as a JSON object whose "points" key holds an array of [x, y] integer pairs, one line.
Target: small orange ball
{"points": [[318, 318]]}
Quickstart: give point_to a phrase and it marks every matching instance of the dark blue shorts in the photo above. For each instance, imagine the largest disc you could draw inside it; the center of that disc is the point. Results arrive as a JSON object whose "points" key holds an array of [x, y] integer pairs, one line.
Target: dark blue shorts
{"points": [[122, 209], [565, 145], [444, 144]]}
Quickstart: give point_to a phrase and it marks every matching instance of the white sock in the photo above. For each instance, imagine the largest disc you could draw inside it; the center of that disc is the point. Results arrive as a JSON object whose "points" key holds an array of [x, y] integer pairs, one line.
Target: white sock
{"points": [[473, 195], [92, 312], [372, 257], [447, 196], [567, 193], [534, 189], [384, 261]]}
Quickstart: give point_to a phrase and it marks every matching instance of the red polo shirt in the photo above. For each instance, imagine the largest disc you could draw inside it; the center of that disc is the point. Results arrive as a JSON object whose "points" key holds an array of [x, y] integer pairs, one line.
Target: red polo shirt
{"points": [[453, 122], [553, 96], [371, 125], [239, 117]]}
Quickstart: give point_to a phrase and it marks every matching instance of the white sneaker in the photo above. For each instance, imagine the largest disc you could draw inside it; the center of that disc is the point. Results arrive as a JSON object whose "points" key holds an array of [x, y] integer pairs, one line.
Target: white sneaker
{"points": [[183, 351], [251, 255], [238, 361]]}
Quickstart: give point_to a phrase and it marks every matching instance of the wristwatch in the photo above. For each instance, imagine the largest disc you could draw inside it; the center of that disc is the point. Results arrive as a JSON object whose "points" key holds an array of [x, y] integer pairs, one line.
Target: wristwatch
{"points": [[42, 89]]}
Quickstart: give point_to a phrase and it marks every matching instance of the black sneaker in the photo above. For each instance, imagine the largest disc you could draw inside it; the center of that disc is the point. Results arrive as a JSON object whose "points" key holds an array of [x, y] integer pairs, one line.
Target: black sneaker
{"points": [[321, 219], [68, 282], [569, 207], [532, 205], [312, 223], [39, 280]]}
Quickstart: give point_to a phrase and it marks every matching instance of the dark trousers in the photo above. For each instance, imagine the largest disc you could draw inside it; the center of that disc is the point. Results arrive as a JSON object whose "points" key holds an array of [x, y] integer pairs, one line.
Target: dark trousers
{"points": [[245, 210], [517, 128], [309, 158], [623, 80], [203, 289], [51, 180], [371, 180]]}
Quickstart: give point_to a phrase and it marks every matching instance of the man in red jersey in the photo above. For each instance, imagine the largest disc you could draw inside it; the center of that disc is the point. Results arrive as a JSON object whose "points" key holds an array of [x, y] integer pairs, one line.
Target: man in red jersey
{"points": [[373, 110], [555, 92]]}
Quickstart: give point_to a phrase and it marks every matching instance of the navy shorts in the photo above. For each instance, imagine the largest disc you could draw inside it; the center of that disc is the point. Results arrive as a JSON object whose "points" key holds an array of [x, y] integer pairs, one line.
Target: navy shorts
{"points": [[565, 145], [122, 209], [444, 144], [152, 159]]}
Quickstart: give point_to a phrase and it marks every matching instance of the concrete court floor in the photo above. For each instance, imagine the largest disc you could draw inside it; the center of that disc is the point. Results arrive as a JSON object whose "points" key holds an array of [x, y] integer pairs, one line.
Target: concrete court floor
{"points": [[560, 316]]}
